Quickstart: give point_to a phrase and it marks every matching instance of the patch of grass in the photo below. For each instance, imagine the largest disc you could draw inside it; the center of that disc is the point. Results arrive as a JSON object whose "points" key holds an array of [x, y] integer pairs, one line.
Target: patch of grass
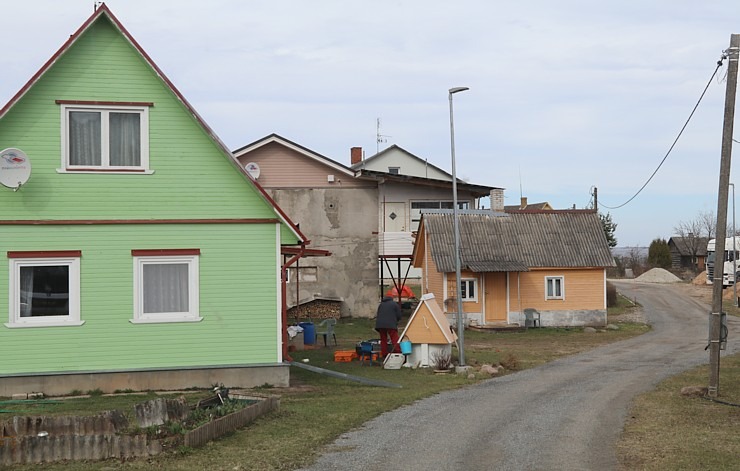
{"points": [[624, 305], [665, 430], [316, 409]]}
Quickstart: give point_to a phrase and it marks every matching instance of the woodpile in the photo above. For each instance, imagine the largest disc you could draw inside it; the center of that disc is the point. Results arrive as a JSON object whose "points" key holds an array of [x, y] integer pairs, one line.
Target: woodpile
{"points": [[316, 309]]}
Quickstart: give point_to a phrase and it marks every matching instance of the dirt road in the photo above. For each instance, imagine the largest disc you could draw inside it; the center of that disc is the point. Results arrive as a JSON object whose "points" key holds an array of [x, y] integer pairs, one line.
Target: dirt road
{"points": [[565, 415]]}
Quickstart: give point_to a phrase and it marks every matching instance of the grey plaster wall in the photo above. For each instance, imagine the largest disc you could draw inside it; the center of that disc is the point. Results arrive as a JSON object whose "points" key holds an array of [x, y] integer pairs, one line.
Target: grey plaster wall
{"points": [[345, 222], [572, 318]]}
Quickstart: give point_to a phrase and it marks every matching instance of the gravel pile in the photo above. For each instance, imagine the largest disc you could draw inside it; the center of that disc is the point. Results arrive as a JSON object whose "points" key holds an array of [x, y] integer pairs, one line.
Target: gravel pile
{"points": [[658, 275]]}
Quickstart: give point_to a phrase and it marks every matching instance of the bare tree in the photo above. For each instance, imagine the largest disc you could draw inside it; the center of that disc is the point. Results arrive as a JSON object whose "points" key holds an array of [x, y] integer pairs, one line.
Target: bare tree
{"points": [[706, 223]]}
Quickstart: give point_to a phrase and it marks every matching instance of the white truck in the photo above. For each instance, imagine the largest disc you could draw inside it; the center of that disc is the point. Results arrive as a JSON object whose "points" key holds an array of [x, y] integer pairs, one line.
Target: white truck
{"points": [[728, 261]]}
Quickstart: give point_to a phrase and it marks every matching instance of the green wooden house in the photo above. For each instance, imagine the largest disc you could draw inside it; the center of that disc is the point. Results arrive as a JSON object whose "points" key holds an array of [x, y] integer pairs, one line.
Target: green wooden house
{"points": [[139, 254]]}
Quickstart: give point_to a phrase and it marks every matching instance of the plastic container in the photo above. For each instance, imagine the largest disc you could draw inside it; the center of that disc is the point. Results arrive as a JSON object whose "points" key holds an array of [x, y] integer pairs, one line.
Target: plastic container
{"points": [[406, 347], [309, 332]]}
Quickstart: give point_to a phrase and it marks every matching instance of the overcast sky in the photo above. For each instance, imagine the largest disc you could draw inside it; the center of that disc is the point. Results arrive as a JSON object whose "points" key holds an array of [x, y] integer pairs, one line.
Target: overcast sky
{"points": [[564, 96]]}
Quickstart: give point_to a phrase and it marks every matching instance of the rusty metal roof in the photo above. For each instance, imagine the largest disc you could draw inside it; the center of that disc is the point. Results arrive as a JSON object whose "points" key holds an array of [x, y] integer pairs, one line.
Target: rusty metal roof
{"points": [[518, 241]]}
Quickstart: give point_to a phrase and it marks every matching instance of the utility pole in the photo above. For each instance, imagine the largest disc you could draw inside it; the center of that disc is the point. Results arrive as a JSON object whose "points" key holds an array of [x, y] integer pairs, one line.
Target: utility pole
{"points": [[715, 321]]}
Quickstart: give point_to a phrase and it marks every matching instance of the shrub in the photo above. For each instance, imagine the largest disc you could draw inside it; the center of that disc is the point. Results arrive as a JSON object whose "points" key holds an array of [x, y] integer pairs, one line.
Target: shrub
{"points": [[510, 362], [611, 295]]}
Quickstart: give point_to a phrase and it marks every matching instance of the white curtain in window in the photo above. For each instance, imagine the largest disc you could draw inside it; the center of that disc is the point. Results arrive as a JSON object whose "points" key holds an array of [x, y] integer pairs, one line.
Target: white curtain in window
{"points": [[84, 138], [125, 139], [165, 287], [26, 298]]}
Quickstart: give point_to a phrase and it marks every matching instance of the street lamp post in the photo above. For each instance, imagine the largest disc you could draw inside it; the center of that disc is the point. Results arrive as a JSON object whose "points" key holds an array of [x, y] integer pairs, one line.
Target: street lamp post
{"points": [[456, 224]]}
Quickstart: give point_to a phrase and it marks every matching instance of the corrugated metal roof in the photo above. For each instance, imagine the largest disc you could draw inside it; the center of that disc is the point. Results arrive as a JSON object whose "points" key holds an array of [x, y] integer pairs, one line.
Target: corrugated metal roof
{"points": [[518, 241]]}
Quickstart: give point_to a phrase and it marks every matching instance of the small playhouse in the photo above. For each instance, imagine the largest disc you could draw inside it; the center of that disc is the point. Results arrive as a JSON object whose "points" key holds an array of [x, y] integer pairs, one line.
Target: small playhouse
{"points": [[429, 332]]}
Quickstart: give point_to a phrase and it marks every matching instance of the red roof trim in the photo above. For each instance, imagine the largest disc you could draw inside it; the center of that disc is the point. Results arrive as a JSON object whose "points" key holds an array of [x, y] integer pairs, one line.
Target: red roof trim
{"points": [[45, 254], [163, 252], [104, 103], [306, 252]]}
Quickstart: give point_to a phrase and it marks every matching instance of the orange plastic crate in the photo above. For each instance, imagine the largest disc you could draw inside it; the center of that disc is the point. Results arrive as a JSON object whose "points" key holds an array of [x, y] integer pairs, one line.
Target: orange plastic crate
{"points": [[344, 356]]}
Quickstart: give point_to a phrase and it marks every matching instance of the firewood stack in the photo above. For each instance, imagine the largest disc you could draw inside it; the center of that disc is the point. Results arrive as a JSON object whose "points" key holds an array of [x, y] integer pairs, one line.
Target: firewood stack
{"points": [[316, 309]]}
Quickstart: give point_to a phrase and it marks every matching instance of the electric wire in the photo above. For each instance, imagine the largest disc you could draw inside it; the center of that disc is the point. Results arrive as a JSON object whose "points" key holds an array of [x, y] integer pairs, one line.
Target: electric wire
{"points": [[719, 64]]}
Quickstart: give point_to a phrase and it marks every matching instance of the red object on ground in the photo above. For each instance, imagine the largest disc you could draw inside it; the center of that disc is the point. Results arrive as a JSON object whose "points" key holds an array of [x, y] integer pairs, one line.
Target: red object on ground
{"points": [[405, 292]]}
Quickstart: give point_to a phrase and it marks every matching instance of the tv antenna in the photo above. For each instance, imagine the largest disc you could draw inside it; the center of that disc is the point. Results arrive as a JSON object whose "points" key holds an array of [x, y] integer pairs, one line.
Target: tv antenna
{"points": [[379, 138]]}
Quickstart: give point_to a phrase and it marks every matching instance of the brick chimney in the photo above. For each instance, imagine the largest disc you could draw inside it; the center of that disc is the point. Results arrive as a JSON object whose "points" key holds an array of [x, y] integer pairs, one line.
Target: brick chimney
{"points": [[355, 155], [497, 199], [523, 204]]}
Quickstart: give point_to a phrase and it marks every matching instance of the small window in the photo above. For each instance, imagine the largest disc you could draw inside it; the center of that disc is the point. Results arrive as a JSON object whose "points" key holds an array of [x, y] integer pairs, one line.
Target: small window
{"points": [[554, 287], [394, 170], [166, 287], [44, 290], [105, 138], [469, 289]]}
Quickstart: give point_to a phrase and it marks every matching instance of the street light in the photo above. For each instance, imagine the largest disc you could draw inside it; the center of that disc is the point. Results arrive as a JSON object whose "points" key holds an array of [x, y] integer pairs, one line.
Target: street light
{"points": [[456, 224]]}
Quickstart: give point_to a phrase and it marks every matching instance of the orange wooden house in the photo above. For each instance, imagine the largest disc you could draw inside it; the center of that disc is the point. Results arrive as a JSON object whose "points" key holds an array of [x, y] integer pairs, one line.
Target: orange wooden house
{"points": [[552, 261], [429, 332]]}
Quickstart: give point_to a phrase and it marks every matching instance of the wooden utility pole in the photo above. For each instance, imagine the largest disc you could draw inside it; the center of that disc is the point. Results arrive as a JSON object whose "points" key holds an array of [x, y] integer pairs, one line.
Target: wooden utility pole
{"points": [[724, 183]]}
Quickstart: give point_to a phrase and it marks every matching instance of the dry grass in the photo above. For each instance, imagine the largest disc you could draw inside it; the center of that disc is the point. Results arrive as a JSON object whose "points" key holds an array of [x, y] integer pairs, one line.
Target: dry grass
{"points": [[668, 431]]}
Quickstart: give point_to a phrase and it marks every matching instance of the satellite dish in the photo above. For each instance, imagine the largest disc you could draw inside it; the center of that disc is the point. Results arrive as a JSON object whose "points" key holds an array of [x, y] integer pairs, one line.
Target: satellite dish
{"points": [[15, 168], [253, 169]]}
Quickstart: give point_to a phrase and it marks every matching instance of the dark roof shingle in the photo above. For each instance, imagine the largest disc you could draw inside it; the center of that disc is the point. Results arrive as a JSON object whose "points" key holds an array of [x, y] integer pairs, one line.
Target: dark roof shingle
{"points": [[518, 241]]}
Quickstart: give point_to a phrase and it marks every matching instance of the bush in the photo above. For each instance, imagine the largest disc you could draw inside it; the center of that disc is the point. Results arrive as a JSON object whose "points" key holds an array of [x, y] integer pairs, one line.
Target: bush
{"points": [[611, 295]]}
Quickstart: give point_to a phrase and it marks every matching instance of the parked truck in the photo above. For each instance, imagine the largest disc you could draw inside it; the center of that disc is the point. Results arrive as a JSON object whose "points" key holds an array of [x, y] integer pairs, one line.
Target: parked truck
{"points": [[728, 264]]}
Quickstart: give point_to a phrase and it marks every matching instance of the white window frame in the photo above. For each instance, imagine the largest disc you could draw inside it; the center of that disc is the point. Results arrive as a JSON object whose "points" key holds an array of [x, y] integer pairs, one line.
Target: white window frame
{"points": [[193, 313], [555, 280], [14, 315], [474, 283], [394, 170], [105, 110]]}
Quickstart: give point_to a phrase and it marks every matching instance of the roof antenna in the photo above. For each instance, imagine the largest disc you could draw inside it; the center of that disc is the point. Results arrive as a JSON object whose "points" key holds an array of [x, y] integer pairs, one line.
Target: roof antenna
{"points": [[96, 5], [521, 194], [379, 137]]}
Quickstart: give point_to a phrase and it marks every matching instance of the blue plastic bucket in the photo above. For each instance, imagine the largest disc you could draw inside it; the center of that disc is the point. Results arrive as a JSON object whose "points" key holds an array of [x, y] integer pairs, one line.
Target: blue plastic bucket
{"points": [[309, 333], [406, 347]]}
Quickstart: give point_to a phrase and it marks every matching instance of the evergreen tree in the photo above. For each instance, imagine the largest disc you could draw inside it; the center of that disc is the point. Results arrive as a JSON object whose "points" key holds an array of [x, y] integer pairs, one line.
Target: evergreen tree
{"points": [[659, 255], [610, 228]]}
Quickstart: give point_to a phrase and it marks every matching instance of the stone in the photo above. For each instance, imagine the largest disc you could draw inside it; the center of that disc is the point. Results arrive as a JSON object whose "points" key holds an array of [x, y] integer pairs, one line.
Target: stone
{"points": [[694, 391], [489, 370], [471, 376], [612, 327], [589, 330]]}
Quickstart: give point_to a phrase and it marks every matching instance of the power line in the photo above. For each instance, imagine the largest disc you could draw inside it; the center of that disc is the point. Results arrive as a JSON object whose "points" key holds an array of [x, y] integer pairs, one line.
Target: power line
{"points": [[719, 64]]}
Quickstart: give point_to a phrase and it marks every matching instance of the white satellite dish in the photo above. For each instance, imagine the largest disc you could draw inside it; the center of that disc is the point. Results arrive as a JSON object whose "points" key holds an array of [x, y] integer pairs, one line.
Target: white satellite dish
{"points": [[253, 169], [15, 168]]}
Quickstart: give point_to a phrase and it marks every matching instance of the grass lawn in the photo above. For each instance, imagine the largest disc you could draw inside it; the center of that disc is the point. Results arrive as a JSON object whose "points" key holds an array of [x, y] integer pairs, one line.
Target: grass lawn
{"points": [[316, 409], [668, 431]]}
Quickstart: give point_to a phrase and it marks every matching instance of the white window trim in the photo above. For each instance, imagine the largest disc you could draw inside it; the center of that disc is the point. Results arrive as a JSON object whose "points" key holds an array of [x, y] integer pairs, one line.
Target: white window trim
{"points": [[562, 288], [474, 299], [143, 112], [14, 318], [193, 315]]}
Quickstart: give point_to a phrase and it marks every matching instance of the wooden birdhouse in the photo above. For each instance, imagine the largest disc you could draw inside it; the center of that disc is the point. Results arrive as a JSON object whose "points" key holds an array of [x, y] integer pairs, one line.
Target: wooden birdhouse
{"points": [[429, 332]]}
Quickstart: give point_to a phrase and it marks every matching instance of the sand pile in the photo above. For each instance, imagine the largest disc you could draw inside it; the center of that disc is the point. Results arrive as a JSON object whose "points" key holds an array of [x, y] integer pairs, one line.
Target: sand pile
{"points": [[700, 279], [658, 275]]}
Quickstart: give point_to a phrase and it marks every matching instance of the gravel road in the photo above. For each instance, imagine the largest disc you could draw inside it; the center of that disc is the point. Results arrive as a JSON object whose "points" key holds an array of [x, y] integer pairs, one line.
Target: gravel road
{"points": [[566, 415]]}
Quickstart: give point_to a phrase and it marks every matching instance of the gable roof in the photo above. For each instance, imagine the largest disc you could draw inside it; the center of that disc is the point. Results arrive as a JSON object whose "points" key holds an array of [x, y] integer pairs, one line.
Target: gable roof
{"points": [[103, 11], [385, 151], [500, 242], [529, 206], [685, 244], [297, 148], [424, 334]]}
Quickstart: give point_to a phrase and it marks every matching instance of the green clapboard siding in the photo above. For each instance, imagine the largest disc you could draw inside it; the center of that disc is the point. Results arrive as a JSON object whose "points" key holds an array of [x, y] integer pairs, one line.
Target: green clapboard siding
{"points": [[238, 300], [193, 179], [192, 176]]}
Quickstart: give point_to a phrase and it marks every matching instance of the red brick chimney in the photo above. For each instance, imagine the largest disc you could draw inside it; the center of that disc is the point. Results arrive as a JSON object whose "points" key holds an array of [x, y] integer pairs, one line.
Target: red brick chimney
{"points": [[355, 154], [523, 204]]}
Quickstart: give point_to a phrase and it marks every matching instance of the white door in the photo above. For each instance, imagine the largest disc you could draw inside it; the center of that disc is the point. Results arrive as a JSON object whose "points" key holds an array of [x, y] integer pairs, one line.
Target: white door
{"points": [[394, 217]]}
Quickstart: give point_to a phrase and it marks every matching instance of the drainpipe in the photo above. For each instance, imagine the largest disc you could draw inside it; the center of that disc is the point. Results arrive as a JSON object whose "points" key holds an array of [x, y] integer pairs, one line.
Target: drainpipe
{"points": [[284, 288]]}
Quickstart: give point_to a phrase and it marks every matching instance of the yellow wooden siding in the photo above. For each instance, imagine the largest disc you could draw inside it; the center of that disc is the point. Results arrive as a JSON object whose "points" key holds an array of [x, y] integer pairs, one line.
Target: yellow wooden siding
{"points": [[583, 287], [424, 329], [434, 280], [468, 306]]}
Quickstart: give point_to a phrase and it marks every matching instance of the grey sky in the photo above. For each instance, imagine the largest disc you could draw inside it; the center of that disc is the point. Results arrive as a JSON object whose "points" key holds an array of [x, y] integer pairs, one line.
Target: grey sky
{"points": [[563, 95]]}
